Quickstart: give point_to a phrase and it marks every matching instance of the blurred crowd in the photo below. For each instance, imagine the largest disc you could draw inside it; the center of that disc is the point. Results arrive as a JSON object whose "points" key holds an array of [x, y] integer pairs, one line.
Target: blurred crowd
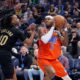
{"points": [[33, 12]]}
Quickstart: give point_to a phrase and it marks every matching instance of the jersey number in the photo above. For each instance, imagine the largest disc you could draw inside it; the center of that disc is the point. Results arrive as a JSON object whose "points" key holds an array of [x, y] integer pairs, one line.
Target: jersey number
{"points": [[3, 39]]}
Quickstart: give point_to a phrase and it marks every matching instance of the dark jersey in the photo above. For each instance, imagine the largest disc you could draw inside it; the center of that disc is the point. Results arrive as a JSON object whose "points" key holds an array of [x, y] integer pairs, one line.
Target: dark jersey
{"points": [[8, 38]]}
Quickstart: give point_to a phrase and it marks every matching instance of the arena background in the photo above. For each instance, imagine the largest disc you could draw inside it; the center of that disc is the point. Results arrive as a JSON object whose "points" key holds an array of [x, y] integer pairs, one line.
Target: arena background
{"points": [[34, 11]]}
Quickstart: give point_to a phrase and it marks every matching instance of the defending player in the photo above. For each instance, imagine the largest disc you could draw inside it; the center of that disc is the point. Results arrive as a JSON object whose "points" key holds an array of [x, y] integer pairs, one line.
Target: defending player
{"points": [[9, 34]]}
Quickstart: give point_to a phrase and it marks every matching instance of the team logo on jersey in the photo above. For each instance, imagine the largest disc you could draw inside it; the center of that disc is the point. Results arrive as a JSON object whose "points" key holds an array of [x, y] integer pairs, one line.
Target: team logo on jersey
{"points": [[52, 42]]}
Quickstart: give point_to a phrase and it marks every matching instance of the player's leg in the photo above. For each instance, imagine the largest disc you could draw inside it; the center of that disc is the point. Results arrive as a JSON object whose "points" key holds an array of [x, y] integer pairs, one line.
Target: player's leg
{"points": [[46, 77], [50, 71], [47, 68], [14, 75], [60, 70], [7, 68]]}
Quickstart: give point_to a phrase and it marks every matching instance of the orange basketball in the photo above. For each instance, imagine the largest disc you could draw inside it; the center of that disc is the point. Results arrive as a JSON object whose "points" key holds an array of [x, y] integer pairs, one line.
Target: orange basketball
{"points": [[59, 21]]}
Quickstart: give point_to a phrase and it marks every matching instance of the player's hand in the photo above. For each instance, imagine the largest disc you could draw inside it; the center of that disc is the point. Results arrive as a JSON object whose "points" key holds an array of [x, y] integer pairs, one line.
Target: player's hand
{"points": [[32, 27], [32, 32], [57, 33]]}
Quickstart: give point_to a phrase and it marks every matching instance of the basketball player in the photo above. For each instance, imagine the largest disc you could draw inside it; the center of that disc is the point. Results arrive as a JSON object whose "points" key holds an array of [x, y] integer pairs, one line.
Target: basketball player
{"points": [[50, 49], [9, 34]]}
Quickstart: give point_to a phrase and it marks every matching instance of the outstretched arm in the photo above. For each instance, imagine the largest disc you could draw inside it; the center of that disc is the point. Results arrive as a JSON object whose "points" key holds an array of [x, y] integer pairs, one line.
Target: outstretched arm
{"points": [[29, 41]]}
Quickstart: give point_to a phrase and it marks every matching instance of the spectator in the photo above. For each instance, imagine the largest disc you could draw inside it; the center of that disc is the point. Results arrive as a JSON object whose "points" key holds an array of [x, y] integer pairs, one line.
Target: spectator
{"points": [[35, 12], [25, 61], [74, 41], [37, 15], [68, 8], [29, 11], [30, 19], [24, 7], [35, 70], [76, 10], [75, 14], [63, 59], [78, 32], [74, 23], [18, 10], [34, 1], [69, 57], [42, 2], [60, 7], [69, 30], [78, 29], [52, 10]]}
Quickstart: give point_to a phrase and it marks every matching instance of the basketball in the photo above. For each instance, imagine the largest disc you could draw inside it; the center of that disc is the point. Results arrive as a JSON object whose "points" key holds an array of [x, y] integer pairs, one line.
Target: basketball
{"points": [[59, 21]]}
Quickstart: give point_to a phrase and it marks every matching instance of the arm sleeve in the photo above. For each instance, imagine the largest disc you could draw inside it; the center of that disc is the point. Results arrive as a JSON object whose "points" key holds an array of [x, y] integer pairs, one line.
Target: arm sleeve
{"points": [[45, 38], [21, 36]]}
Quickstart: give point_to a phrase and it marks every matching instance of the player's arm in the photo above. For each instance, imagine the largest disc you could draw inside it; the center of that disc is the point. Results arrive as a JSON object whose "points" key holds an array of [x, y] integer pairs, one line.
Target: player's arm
{"points": [[31, 29], [46, 37], [28, 41], [64, 38]]}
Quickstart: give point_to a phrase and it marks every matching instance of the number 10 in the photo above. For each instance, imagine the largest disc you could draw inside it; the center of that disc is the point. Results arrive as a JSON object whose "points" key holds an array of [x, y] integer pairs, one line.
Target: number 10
{"points": [[3, 39]]}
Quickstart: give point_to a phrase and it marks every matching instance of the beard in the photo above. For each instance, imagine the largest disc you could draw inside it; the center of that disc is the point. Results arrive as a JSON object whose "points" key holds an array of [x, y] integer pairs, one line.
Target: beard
{"points": [[48, 26]]}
